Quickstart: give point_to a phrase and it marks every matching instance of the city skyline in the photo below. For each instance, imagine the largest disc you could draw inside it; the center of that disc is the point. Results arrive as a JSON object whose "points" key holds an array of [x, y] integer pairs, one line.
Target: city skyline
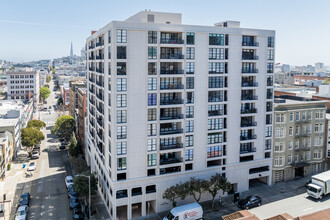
{"points": [[48, 30]]}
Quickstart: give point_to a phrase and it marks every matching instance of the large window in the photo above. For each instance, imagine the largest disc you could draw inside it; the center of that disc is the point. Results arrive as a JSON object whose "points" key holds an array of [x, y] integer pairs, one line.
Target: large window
{"points": [[189, 155], [152, 84], [270, 67], [121, 163], [121, 117], [121, 84], [214, 138], [215, 124], [121, 100], [151, 160], [270, 42], [152, 52], [216, 82], [152, 37], [121, 36], [270, 54], [190, 38], [215, 96], [190, 68], [189, 111], [152, 144], [216, 68], [216, 53], [121, 52], [190, 54], [189, 126], [152, 130], [121, 132], [152, 68], [152, 99], [190, 83], [152, 114], [190, 98], [189, 140], [216, 39], [215, 151], [121, 148]]}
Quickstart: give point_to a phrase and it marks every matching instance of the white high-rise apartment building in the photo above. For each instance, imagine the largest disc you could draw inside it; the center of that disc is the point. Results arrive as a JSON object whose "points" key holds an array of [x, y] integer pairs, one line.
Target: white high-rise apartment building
{"points": [[23, 85], [168, 101]]}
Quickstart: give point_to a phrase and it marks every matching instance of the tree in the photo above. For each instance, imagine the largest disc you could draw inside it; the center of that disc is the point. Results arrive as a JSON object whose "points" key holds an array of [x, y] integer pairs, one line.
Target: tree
{"points": [[81, 184], [48, 79], [64, 127], [196, 187], [79, 164], [59, 101], [171, 194], [73, 146], [30, 137], [36, 124], [216, 183], [44, 93], [47, 86]]}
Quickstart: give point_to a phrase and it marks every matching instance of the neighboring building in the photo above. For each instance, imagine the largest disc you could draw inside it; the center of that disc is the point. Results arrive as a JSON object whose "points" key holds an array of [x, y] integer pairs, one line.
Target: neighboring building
{"points": [[6, 151], [299, 137], [14, 115], [73, 94], [81, 116], [302, 80], [177, 101], [65, 94], [319, 67], [285, 68], [23, 85]]}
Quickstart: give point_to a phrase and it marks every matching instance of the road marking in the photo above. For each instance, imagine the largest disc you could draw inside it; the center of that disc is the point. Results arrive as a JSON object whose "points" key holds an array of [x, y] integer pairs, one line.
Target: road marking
{"points": [[41, 175], [308, 209]]}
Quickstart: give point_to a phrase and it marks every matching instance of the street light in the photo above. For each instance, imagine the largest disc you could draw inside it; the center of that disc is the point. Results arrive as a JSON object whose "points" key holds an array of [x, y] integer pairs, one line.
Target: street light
{"points": [[89, 195]]}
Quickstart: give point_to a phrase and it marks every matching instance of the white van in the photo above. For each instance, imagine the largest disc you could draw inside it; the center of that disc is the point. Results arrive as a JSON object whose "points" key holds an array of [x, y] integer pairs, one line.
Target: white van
{"points": [[191, 211]]}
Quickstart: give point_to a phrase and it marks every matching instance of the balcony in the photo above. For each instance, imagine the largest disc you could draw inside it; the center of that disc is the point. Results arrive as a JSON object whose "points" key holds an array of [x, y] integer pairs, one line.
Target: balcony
{"points": [[92, 123], [171, 41], [91, 68], [248, 137], [250, 44], [171, 101], [92, 133], [249, 111], [214, 113], [99, 109], [171, 72], [173, 131], [100, 136], [99, 57], [250, 57], [91, 111], [249, 97], [91, 90], [171, 117], [248, 124], [99, 96], [245, 70], [91, 58], [91, 47], [92, 101], [100, 122], [249, 150], [170, 161], [172, 56], [249, 84], [92, 79], [100, 70], [172, 86], [100, 83], [171, 146], [98, 44]]}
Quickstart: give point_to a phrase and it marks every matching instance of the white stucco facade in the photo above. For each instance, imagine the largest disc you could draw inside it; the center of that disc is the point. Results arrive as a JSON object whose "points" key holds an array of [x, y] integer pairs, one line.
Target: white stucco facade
{"points": [[202, 111]]}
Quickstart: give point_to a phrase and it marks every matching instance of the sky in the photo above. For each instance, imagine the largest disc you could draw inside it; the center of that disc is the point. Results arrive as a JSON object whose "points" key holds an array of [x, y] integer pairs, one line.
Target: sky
{"points": [[44, 29]]}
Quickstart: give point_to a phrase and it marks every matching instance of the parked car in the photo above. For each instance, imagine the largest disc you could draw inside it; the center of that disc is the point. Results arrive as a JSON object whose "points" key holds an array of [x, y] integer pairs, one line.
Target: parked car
{"points": [[250, 202], [68, 181], [50, 107], [62, 146], [71, 192], [77, 213], [74, 202], [21, 213], [32, 166], [24, 199], [189, 211], [35, 155]]}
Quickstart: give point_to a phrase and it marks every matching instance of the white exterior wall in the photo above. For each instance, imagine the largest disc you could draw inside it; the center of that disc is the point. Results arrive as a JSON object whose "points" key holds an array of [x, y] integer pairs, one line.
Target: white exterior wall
{"points": [[137, 104]]}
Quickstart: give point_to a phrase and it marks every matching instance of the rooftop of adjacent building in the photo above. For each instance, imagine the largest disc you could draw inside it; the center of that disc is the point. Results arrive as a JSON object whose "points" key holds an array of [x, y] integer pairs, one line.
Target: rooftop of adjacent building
{"points": [[5, 136], [82, 91], [283, 100], [10, 111], [21, 72]]}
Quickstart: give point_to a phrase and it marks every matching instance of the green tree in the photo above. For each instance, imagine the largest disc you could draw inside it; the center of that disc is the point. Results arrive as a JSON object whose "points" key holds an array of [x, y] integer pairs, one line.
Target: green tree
{"points": [[48, 79], [44, 93], [30, 137], [59, 101], [172, 193], [36, 124], [81, 184], [79, 164], [64, 127], [73, 146], [47, 86], [216, 183], [196, 187]]}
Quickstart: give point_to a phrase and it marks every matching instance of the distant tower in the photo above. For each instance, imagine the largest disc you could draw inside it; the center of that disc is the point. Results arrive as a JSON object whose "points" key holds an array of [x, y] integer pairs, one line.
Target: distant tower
{"points": [[71, 51]]}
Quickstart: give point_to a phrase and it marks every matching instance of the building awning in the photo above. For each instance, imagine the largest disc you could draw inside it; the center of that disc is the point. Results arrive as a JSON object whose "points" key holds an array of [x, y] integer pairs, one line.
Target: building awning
{"points": [[300, 164]]}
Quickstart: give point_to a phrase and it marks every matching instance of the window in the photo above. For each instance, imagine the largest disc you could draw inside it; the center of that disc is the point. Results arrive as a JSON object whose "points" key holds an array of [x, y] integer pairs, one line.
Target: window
{"points": [[296, 144], [152, 99], [279, 147], [152, 131], [121, 85], [216, 53], [297, 116], [152, 84], [151, 160], [280, 118], [290, 146], [190, 83], [189, 140], [109, 37], [297, 130], [216, 82], [121, 52], [280, 132], [319, 114], [121, 163], [214, 138], [309, 142], [152, 144], [215, 96], [318, 141], [309, 128], [121, 36], [303, 116], [152, 52], [279, 161], [215, 124], [190, 38], [270, 42], [121, 148], [190, 97], [121, 68], [121, 117], [270, 67], [269, 119], [189, 155], [308, 155], [152, 114], [270, 54], [214, 110], [121, 100], [190, 68], [216, 39], [268, 132], [190, 54], [215, 151], [121, 132], [189, 126], [216, 68], [189, 111], [152, 37], [289, 159], [152, 68], [317, 154]]}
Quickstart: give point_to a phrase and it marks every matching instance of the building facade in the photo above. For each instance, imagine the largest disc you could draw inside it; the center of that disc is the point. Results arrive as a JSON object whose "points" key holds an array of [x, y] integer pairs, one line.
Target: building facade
{"points": [[167, 102], [299, 138], [73, 94], [24, 85], [6, 151], [81, 116]]}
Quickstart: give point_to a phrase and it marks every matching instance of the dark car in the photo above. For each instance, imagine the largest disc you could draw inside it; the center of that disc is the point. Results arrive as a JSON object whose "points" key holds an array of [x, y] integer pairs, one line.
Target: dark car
{"points": [[77, 213], [250, 202], [24, 199], [71, 192], [74, 202], [62, 146]]}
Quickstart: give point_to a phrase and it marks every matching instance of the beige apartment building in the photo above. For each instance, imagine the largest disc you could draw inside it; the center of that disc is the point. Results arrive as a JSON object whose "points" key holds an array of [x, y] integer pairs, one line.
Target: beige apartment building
{"points": [[299, 137], [73, 93]]}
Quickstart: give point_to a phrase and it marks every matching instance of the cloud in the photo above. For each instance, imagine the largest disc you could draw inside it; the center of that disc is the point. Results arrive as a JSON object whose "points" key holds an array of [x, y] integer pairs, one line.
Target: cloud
{"points": [[39, 24]]}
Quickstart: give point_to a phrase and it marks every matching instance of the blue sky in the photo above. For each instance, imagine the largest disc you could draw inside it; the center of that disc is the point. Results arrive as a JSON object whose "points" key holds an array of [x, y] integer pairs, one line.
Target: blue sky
{"points": [[37, 29]]}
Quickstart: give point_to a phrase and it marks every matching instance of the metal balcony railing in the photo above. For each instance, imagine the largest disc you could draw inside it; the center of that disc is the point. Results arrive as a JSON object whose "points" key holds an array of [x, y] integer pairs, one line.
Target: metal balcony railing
{"points": [[249, 111], [250, 57], [170, 161], [249, 84], [171, 146], [172, 86], [172, 56], [248, 124], [174, 131], [246, 151], [249, 97], [171, 101], [171, 41], [177, 71], [171, 117], [250, 44], [249, 137], [246, 70]]}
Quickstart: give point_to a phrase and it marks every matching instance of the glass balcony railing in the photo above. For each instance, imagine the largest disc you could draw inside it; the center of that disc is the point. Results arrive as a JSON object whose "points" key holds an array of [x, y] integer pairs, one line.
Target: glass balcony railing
{"points": [[171, 41], [171, 131], [171, 117], [171, 146], [170, 161], [248, 137], [171, 101]]}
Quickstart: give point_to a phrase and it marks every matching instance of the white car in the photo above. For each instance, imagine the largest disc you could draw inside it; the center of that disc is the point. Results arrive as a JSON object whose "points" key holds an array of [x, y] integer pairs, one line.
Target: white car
{"points": [[21, 213], [35, 155], [68, 181], [32, 166]]}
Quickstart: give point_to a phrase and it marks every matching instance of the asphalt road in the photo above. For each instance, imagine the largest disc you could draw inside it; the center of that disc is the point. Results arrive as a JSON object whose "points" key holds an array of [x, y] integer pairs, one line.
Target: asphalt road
{"points": [[48, 191]]}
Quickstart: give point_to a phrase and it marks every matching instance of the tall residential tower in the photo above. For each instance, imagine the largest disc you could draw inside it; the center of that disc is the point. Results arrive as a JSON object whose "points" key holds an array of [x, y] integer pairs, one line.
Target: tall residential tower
{"points": [[168, 101]]}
